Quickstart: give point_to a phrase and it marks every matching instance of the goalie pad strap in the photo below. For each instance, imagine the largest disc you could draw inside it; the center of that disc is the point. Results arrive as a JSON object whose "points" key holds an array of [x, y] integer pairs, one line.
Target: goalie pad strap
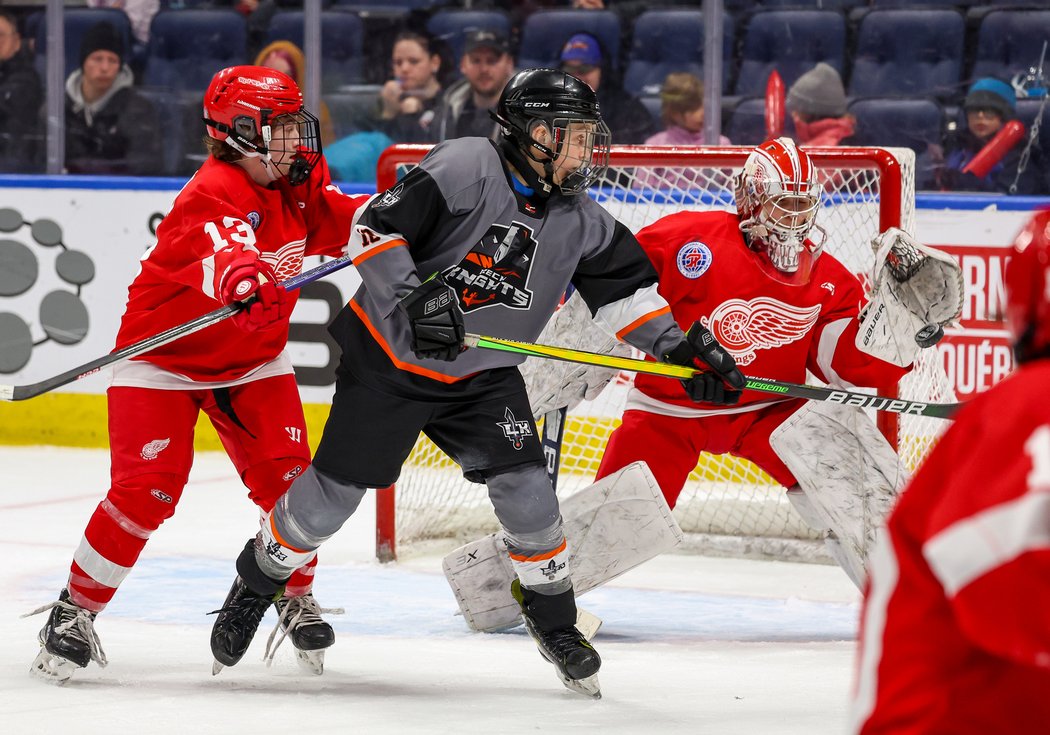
{"points": [[611, 526]]}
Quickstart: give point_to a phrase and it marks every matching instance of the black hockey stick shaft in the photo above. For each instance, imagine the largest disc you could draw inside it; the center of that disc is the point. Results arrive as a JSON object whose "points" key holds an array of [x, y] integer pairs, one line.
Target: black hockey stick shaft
{"points": [[778, 387], [553, 431], [22, 392]]}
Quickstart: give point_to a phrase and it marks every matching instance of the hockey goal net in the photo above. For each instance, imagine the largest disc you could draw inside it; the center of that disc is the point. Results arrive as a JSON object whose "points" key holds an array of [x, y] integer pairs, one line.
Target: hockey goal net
{"points": [[729, 506]]}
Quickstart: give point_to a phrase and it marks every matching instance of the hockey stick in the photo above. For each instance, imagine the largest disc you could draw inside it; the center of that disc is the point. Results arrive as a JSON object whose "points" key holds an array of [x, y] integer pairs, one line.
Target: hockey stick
{"points": [[764, 385], [553, 431], [22, 392]]}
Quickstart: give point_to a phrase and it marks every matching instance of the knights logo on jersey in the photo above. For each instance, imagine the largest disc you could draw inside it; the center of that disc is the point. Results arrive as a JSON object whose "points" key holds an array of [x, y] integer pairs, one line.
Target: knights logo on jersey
{"points": [[744, 327], [694, 258], [496, 270]]}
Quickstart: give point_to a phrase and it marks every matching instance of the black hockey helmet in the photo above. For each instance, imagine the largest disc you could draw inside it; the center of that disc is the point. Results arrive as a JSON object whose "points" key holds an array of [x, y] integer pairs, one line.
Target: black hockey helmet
{"points": [[555, 99]]}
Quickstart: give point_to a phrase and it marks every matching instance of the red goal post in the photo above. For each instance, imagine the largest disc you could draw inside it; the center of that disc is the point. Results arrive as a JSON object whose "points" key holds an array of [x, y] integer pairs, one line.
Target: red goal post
{"points": [[727, 500]]}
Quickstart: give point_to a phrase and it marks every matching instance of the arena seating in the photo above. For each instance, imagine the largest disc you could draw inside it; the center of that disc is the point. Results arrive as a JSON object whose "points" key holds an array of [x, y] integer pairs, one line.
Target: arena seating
{"points": [[792, 42], [545, 32], [666, 41], [77, 23], [187, 47], [452, 26], [342, 42]]}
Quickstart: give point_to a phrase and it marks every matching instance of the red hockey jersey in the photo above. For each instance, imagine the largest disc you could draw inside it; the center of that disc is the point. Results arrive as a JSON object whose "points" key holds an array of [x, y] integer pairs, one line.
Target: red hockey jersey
{"points": [[773, 329], [955, 636], [220, 214]]}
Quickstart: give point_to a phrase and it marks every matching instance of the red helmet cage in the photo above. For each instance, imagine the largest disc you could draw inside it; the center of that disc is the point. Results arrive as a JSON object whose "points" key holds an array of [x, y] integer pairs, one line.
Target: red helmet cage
{"points": [[242, 99], [1028, 290]]}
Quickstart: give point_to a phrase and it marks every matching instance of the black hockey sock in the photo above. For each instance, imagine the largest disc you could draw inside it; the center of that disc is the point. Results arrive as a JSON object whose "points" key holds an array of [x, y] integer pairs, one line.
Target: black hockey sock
{"points": [[253, 576], [547, 612]]}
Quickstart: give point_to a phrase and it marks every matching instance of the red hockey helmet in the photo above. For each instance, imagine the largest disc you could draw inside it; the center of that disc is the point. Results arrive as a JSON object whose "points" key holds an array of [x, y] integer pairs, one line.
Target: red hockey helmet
{"points": [[777, 197], [1028, 290], [249, 106]]}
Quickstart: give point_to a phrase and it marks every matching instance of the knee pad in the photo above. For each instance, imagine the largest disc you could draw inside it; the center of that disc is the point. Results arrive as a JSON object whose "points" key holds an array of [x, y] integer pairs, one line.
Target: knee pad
{"points": [[143, 502], [269, 480]]}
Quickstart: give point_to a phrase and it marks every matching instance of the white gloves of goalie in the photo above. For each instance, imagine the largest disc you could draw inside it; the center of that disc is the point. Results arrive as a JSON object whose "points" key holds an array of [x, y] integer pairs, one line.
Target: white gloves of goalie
{"points": [[553, 384], [915, 292]]}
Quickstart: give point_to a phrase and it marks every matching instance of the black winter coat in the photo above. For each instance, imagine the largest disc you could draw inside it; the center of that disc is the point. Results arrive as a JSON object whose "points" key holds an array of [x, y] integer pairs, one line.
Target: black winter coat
{"points": [[21, 95], [123, 137]]}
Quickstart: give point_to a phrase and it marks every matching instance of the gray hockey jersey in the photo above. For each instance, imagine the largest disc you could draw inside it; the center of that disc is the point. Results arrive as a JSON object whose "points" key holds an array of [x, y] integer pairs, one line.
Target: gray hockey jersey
{"points": [[508, 256]]}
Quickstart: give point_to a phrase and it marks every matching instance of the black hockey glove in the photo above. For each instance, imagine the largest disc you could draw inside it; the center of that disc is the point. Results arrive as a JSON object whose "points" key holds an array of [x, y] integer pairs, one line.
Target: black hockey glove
{"points": [[701, 350], [436, 320]]}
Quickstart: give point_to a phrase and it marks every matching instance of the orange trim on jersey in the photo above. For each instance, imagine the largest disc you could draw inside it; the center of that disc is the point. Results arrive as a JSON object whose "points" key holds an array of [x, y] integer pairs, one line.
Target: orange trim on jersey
{"points": [[540, 557], [366, 254], [281, 541], [641, 320], [399, 364]]}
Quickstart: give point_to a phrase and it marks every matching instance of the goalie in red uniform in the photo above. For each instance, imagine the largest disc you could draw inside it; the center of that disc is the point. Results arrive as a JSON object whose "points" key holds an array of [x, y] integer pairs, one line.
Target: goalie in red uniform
{"points": [[955, 636], [261, 202], [758, 280]]}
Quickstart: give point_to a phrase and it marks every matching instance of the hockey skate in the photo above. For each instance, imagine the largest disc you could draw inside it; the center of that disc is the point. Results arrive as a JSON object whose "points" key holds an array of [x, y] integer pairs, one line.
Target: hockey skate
{"points": [[572, 655], [300, 619], [67, 641], [235, 626]]}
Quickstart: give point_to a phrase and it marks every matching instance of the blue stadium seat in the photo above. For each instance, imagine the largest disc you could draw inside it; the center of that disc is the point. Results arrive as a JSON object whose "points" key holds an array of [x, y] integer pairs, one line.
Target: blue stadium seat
{"points": [[747, 123], [815, 4], [545, 32], [187, 47], [342, 43], [792, 42], [77, 23], [352, 108], [452, 26], [908, 52], [666, 41], [942, 4], [905, 123], [1010, 41]]}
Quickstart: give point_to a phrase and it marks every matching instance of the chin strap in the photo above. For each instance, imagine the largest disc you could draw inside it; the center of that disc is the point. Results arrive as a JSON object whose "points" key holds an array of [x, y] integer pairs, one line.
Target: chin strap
{"points": [[520, 161]]}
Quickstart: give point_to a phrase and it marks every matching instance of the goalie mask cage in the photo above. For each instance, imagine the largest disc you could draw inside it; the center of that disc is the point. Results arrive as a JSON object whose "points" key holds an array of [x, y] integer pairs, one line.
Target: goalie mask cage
{"points": [[728, 506]]}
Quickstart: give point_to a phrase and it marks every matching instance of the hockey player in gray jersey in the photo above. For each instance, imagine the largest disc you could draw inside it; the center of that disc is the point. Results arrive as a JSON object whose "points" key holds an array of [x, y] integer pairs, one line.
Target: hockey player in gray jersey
{"points": [[481, 237]]}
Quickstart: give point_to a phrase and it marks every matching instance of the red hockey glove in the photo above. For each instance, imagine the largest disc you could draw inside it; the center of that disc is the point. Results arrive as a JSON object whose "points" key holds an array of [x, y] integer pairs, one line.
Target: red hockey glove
{"points": [[701, 350], [251, 282]]}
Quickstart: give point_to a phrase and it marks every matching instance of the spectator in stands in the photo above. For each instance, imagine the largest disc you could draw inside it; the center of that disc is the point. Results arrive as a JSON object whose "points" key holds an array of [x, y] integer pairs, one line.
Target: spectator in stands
{"points": [[287, 58], [989, 105], [682, 110], [20, 98], [583, 57], [817, 105], [407, 102], [110, 128], [487, 65]]}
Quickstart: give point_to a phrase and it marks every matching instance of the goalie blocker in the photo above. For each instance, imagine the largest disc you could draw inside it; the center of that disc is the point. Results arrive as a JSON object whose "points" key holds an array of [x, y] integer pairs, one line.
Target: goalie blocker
{"points": [[611, 526]]}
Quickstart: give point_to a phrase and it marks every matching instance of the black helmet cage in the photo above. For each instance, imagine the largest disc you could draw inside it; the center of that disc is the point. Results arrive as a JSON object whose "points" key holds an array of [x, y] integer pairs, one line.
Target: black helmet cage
{"points": [[521, 112], [244, 138]]}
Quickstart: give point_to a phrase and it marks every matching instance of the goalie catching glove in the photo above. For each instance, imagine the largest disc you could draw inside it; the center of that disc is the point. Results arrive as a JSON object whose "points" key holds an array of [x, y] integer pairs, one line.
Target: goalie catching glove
{"points": [[701, 350], [436, 320], [251, 282], [915, 292]]}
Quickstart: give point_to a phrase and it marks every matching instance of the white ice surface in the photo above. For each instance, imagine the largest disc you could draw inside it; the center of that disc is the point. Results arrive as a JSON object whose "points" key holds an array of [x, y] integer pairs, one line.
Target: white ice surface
{"points": [[689, 645]]}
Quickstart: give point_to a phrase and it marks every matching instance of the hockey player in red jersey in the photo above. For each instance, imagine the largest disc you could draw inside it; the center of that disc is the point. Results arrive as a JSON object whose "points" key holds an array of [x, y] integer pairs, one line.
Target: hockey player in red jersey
{"points": [[955, 635], [758, 279], [261, 202]]}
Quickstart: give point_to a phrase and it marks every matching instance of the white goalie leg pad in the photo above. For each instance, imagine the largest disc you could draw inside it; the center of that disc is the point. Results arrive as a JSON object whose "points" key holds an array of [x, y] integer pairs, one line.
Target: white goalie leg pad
{"points": [[848, 475], [913, 286], [554, 384], [612, 526]]}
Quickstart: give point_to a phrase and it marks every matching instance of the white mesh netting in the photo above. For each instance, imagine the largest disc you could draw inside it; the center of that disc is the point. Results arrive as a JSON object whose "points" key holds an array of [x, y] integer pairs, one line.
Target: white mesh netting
{"points": [[729, 505]]}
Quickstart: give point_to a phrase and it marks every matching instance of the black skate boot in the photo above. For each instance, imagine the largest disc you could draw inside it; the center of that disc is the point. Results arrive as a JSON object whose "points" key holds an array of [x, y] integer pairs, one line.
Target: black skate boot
{"points": [[300, 619], [67, 641], [235, 626], [564, 646]]}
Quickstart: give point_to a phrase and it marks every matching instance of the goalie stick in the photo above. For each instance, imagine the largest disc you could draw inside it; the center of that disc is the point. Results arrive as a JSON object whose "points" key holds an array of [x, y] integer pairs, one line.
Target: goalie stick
{"points": [[22, 392], [764, 385], [553, 431]]}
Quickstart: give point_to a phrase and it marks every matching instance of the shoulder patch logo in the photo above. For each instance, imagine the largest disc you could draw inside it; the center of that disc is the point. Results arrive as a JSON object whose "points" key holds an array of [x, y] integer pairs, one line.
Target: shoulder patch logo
{"points": [[390, 197], [254, 219], [694, 258]]}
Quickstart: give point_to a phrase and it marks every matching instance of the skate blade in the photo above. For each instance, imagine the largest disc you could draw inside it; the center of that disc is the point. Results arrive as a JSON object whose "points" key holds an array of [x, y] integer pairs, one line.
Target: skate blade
{"points": [[312, 662], [588, 686], [52, 669], [216, 667], [587, 623]]}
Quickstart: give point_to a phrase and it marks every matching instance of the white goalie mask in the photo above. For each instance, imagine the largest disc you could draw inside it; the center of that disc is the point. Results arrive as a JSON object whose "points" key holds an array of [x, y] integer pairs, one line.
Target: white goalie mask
{"points": [[777, 197]]}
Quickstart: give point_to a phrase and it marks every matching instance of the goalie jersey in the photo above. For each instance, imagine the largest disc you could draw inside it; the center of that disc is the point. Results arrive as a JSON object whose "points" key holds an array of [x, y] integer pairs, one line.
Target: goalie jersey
{"points": [[772, 328], [508, 256], [955, 634]]}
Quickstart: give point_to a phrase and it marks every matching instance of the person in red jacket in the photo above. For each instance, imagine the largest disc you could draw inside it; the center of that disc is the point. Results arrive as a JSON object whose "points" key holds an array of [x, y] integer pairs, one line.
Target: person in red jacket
{"points": [[261, 202], [955, 636]]}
